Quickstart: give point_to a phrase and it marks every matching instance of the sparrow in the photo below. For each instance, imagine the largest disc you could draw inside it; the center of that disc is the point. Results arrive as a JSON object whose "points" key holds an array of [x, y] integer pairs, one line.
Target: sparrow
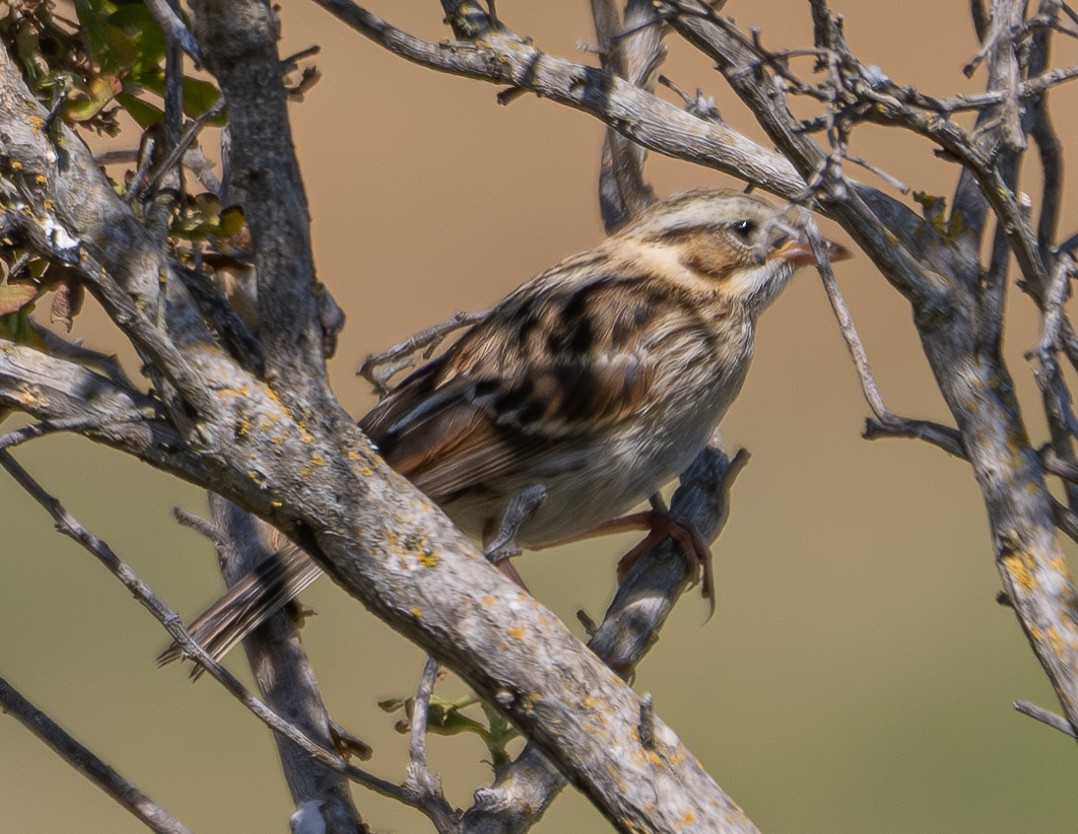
{"points": [[577, 396]]}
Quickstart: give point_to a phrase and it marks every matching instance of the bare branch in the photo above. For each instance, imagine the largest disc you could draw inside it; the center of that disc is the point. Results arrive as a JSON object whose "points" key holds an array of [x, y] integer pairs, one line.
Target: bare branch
{"points": [[147, 811], [170, 22], [948, 439], [631, 49], [285, 677], [420, 781], [637, 613], [379, 368], [1044, 716], [239, 42], [643, 117]]}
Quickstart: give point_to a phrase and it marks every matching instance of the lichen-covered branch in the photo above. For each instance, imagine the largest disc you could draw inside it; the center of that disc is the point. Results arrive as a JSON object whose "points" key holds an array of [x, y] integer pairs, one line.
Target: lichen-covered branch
{"points": [[302, 465]]}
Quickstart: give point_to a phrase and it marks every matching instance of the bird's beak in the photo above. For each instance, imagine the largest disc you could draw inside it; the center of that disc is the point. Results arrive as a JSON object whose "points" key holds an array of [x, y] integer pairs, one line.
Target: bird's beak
{"points": [[798, 251]]}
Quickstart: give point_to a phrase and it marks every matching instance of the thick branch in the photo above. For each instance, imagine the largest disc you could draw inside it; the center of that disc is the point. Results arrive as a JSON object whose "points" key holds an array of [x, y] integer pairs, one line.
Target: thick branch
{"points": [[285, 677], [239, 41], [55, 390]]}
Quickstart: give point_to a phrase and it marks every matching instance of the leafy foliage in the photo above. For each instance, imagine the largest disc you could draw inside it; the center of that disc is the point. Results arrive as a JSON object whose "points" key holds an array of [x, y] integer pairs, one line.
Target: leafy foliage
{"points": [[88, 72], [446, 717]]}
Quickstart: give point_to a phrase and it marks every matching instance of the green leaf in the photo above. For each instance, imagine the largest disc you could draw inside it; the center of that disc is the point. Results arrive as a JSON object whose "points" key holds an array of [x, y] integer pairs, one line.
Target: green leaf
{"points": [[198, 95], [231, 221], [88, 100], [143, 112], [136, 21], [13, 297]]}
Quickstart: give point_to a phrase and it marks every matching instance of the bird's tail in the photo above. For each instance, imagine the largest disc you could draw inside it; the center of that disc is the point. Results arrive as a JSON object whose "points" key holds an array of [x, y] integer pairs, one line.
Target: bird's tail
{"points": [[270, 586]]}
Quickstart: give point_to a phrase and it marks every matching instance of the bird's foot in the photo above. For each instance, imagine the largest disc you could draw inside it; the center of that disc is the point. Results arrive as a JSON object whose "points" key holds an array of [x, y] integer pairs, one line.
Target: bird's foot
{"points": [[502, 546]]}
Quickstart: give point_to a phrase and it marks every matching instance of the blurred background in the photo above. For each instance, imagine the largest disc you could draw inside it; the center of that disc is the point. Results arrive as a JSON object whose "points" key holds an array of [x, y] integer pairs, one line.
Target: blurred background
{"points": [[857, 675]]}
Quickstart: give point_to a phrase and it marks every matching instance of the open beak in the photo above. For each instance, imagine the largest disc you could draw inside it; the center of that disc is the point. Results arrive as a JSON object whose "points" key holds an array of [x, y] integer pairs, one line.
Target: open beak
{"points": [[798, 251]]}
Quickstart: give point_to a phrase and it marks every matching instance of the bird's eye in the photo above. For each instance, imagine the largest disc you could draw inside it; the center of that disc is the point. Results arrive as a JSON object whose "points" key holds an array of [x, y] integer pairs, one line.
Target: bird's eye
{"points": [[744, 229]]}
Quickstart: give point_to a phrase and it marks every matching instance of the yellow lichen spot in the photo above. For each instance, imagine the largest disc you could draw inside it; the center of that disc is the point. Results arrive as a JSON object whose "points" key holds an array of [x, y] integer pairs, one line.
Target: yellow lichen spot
{"points": [[688, 819], [242, 428], [1055, 642], [516, 632], [678, 756], [489, 599], [589, 702], [366, 472], [417, 613], [276, 504], [1020, 567], [354, 455], [1036, 634], [16, 165], [318, 460], [1059, 565], [428, 559], [391, 537]]}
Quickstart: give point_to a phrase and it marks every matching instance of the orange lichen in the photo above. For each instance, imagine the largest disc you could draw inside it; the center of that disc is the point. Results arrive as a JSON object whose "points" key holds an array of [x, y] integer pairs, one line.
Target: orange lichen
{"points": [[1059, 565], [1055, 642], [516, 632], [1021, 568]]}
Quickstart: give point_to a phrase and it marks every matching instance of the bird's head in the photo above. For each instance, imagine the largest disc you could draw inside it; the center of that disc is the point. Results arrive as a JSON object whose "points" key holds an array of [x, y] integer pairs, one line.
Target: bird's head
{"points": [[722, 244]]}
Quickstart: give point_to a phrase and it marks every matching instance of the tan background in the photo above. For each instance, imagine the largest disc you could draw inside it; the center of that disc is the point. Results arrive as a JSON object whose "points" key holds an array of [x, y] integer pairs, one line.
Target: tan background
{"points": [[857, 676]]}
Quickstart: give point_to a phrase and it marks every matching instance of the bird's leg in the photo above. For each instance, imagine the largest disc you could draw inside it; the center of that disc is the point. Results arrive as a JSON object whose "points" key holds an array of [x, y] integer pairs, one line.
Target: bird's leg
{"points": [[502, 546], [660, 522]]}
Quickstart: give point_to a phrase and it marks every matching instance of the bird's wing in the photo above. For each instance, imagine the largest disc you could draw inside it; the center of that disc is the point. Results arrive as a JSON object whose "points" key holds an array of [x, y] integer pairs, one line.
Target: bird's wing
{"points": [[556, 361]]}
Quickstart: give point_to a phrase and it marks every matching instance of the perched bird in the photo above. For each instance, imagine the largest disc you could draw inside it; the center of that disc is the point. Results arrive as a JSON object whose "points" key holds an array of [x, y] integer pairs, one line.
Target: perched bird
{"points": [[578, 395]]}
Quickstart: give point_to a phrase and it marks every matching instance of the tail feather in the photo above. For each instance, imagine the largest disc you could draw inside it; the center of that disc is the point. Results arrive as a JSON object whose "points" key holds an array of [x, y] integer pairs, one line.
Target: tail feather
{"points": [[271, 585]]}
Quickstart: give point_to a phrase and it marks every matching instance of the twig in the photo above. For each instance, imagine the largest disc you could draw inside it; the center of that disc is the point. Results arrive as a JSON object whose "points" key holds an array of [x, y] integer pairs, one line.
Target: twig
{"points": [[1054, 464], [174, 28], [89, 765], [417, 742], [200, 525], [36, 430], [61, 348], [69, 526], [424, 786], [378, 368], [1044, 716], [948, 439], [1056, 397], [142, 184], [1066, 520], [854, 345], [284, 676], [893, 181]]}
